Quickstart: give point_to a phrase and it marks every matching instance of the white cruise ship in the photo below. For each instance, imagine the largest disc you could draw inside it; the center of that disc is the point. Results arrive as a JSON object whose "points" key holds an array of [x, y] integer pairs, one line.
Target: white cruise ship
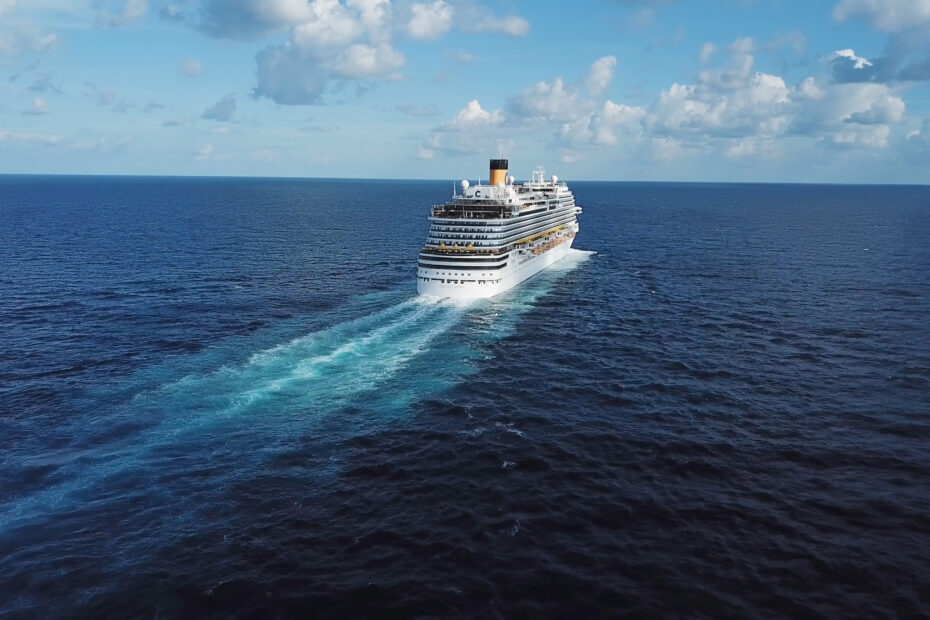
{"points": [[491, 237]]}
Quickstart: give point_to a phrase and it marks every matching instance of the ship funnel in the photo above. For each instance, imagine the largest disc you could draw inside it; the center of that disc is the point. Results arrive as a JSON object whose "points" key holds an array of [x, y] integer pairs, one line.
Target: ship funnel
{"points": [[498, 172]]}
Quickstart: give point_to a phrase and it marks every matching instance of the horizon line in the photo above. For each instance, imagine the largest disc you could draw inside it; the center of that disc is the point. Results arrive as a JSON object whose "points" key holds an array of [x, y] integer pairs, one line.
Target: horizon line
{"points": [[453, 180]]}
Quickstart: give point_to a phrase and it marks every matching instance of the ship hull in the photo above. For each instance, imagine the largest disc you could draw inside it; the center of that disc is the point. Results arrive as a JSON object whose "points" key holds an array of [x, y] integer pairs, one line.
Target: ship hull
{"points": [[511, 277]]}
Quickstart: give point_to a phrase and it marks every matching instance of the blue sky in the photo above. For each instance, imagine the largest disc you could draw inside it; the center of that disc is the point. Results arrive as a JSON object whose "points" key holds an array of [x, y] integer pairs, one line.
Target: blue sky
{"points": [[707, 90]]}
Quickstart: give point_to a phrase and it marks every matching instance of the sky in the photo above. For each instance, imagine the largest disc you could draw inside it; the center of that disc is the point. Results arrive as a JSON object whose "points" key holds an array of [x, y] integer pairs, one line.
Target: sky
{"points": [[833, 91]]}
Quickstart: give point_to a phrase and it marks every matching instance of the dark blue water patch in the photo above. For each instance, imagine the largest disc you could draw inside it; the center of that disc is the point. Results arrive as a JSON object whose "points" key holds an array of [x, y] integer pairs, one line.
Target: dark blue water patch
{"points": [[220, 397]]}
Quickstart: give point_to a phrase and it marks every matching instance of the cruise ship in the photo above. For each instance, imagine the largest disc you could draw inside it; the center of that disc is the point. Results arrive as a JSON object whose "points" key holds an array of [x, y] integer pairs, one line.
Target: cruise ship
{"points": [[489, 238]]}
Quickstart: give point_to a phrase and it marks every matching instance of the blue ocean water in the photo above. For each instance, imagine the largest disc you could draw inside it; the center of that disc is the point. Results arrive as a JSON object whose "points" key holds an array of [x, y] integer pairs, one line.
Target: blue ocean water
{"points": [[222, 397]]}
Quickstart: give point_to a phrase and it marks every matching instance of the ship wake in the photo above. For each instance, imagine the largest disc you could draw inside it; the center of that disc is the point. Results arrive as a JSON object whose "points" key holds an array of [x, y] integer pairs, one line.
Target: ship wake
{"points": [[349, 378]]}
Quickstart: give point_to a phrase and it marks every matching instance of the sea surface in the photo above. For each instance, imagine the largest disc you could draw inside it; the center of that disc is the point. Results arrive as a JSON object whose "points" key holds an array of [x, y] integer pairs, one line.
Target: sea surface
{"points": [[222, 397]]}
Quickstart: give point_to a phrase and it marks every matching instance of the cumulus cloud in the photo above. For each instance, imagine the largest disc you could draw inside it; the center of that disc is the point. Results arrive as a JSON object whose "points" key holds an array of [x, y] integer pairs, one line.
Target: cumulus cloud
{"points": [[324, 44], [473, 117], [367, 61], [906, 56], [247, 18], [849, 56], [131, 11], [548, 102], [429, 20], [906, 59], [887, 15], [604, 125], [223, 110], [339, 40], [730, 109], [601, 74], [191, 67], [331, 25]]}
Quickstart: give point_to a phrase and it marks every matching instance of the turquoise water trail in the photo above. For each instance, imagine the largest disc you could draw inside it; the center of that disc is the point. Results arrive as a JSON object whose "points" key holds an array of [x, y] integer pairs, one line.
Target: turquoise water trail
{"points": [[378, 363]]}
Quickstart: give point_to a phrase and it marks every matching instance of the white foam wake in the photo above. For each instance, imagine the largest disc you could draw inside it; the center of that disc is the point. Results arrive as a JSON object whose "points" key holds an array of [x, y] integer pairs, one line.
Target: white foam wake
{"points": [[382, 361]]}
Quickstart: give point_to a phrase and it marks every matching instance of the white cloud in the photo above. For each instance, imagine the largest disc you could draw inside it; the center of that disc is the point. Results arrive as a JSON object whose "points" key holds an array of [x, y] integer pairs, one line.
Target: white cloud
{"points": [[809, 89], [374, 14], [332, 40], [366, 61], [887, 15], [510, 25], [325, 44], [856, 61], [473, 116], [38, 107], [223, 110], [31, 138], [332, 25], [707, 50], [548, 102], [246, 18], [602, 125], [204, 153], [23, 39], [191, 67], [613, 116], [731, 110], [429, 21], [642, 18], [742, 46], [920, 138], [132, 11], [601, 74], [209, 154]]}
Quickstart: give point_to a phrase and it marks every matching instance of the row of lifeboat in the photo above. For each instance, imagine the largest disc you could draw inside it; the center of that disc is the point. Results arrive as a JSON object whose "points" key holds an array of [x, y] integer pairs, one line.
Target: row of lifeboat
{"points": [[548, 245]]}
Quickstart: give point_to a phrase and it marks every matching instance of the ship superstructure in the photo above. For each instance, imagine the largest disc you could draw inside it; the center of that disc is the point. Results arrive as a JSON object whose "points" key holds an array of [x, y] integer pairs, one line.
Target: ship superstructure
{"points": [[489, 238]]}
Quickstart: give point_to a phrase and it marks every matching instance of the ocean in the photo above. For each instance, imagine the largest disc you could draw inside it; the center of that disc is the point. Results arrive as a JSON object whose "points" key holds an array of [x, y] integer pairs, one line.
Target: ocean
{"points": [[222, 397]]}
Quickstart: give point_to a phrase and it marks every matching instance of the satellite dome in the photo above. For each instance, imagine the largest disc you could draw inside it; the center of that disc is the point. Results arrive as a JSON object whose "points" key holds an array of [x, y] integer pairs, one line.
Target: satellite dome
{"points": [[464, 183], [511, 179], [555, 179]]}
